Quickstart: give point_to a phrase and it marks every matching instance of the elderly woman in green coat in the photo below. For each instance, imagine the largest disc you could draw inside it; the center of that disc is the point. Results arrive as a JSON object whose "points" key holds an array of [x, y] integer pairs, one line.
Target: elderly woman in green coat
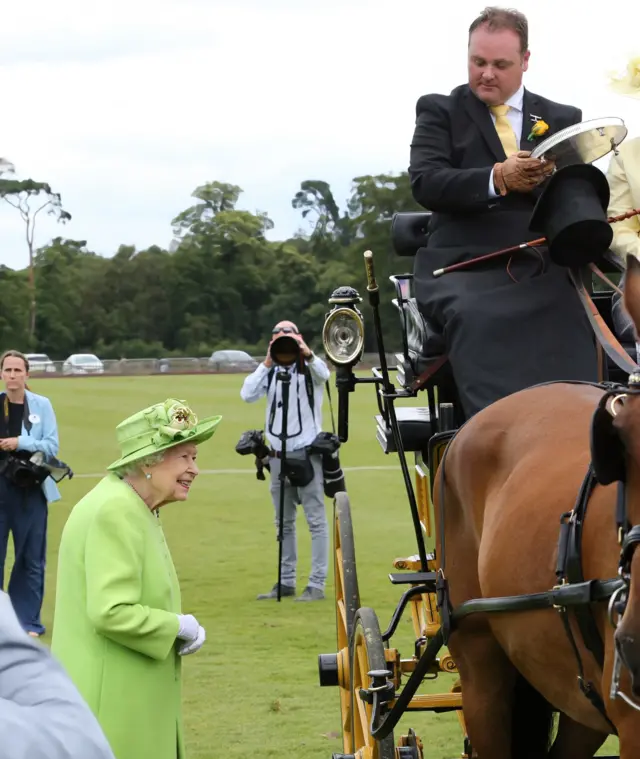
{"points": [[119, 629]]}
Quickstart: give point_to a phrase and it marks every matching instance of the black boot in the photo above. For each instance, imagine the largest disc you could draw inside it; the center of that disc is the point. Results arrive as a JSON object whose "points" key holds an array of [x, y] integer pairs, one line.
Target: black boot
{"points": [[285, 590]]}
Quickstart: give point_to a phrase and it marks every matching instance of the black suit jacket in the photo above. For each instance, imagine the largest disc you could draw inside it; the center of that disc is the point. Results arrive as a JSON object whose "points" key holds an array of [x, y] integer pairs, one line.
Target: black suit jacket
{"points": [[454, 147]]}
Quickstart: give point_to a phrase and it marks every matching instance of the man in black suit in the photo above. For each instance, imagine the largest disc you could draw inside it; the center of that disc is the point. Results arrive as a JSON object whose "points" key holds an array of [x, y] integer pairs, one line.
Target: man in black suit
{"points": [[510, 323]]}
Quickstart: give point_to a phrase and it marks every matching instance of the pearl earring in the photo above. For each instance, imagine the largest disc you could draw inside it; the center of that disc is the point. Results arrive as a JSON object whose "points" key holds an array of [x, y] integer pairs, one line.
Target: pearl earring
{"points": [[148, 475]]}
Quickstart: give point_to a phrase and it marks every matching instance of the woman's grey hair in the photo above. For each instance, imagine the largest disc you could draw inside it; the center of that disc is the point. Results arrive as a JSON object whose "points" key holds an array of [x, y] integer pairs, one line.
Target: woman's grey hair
{"points": [[136, 467]]}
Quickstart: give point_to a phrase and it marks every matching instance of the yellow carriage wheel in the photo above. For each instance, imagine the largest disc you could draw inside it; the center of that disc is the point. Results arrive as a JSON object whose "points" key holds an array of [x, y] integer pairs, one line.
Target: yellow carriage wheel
{"points": [[346, 577], [367, 654], [347, 604]]}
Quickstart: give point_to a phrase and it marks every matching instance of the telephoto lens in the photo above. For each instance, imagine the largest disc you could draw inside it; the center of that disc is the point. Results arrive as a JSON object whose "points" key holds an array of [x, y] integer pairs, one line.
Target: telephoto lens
{"points": [[285, 350], [332, 474]]}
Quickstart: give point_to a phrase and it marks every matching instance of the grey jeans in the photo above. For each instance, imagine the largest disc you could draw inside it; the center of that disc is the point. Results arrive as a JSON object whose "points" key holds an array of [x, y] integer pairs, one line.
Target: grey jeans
{"points": [[311, 497]]}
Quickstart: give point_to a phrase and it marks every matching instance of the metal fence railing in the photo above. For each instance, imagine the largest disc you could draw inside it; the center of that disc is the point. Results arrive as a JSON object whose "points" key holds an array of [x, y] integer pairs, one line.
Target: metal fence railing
{"points": [[179, 365]]}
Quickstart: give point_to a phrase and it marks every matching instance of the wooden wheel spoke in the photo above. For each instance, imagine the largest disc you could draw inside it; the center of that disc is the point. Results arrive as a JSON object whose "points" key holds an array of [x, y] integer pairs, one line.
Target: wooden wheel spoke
{"points": [[342, 622], [339, 574]]}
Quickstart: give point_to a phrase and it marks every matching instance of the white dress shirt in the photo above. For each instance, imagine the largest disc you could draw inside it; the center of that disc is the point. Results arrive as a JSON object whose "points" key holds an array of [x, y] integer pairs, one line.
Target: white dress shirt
{"points": [[303, 426], [515, 116]]}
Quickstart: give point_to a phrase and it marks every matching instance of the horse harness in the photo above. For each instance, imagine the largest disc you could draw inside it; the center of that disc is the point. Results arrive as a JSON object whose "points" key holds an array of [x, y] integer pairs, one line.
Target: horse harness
{"points": [[608, 455], [572, 592]]}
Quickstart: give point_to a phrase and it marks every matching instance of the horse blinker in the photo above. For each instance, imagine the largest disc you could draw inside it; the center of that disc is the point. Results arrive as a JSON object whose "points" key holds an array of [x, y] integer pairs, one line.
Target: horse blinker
{"points": [[607, 449]]}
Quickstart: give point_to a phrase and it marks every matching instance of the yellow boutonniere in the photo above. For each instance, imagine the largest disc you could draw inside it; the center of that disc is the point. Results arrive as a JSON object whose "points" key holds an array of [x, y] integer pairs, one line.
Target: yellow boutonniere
{"points": [[538, 129]]}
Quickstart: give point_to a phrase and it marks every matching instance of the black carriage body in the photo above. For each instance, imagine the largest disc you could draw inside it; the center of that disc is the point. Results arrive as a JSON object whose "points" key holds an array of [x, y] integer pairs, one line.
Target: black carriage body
{"points": [[422, 368]]}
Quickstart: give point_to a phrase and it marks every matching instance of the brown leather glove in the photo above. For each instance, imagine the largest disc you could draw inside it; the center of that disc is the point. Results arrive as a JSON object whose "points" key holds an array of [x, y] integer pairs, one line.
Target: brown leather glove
{"points": [[521, 173]]}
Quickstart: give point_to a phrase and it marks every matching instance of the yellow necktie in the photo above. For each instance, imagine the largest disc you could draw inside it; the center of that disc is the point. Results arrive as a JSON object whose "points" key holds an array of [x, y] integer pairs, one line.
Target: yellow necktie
{"points": [[504, 129]]}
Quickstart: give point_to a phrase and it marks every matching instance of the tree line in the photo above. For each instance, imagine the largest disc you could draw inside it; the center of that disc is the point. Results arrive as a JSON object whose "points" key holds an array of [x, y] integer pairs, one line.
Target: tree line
{"points": [[221, 284]]}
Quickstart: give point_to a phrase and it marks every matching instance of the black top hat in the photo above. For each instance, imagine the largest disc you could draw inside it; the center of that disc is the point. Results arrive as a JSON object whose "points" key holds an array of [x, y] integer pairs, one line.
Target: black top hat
{"points": [[572, 214]]}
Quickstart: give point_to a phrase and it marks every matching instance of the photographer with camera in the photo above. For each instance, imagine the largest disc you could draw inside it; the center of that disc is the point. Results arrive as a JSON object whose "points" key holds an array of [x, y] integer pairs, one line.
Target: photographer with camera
{"points": [[27, 427], [292, 377]]}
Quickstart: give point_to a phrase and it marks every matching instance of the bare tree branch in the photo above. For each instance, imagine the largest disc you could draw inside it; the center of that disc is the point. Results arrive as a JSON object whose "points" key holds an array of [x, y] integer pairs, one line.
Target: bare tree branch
{"points": [[17, 193]]}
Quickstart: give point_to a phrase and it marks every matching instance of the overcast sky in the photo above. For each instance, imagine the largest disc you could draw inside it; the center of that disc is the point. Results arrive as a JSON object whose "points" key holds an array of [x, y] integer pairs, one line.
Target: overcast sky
{"points": [[125, 107]]}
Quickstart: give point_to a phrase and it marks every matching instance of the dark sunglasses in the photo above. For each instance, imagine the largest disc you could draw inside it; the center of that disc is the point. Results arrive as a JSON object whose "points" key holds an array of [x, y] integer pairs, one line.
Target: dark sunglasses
{"points": [[286, 330]]}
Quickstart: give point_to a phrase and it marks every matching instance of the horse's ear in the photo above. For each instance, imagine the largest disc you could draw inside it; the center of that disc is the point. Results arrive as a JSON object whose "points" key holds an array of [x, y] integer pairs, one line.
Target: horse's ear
{"points": [[632, 291]]}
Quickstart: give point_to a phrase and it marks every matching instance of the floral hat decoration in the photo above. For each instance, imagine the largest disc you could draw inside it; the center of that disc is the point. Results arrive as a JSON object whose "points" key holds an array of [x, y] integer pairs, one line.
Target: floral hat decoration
{"points": [[627, 82], [158, 427]]}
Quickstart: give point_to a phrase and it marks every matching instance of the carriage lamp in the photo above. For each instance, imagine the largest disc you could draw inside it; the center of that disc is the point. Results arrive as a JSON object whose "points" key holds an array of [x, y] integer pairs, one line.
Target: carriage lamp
{"points": [[343, 331]]}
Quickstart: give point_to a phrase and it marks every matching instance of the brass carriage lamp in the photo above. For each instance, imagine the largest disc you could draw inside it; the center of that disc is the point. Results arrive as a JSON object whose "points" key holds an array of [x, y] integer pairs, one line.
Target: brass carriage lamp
{"points": [[343, 331], [343, 340]]}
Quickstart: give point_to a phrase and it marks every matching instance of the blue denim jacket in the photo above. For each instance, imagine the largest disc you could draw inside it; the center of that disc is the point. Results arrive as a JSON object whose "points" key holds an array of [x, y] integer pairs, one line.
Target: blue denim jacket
{"points": [[40, 433]]}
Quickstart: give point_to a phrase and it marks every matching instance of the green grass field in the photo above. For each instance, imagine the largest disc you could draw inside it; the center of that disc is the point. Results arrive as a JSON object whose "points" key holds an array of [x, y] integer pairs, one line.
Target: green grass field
{"points": [[253, 688]]}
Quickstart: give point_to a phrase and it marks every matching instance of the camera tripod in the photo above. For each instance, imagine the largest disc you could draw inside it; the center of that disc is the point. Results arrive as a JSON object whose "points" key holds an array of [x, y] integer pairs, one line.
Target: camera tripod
{"points": [[285, 378]]}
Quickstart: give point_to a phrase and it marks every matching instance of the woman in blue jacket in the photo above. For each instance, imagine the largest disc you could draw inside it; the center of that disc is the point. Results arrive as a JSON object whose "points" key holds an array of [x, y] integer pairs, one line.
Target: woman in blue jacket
{"points": [[27, 424]]}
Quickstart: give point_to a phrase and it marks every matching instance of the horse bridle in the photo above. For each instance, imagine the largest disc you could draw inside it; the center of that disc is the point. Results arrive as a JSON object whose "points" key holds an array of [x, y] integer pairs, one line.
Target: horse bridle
{"points": [[608, 460]]}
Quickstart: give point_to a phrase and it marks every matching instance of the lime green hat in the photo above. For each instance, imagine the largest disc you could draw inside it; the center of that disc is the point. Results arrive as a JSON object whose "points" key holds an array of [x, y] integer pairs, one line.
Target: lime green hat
{"points": [[158, 427]]}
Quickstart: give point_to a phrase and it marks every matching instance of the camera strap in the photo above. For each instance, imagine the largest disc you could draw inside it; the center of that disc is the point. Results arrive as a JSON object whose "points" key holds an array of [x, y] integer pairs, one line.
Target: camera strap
{"points": [[4, 425], [308, 382], [333, 423], [5, 412], [272, 413]]}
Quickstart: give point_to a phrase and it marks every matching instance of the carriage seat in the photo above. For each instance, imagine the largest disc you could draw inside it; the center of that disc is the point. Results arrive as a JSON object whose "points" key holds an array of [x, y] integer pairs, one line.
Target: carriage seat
{"points": [[415, 426], [409, 231], [423, 342]]}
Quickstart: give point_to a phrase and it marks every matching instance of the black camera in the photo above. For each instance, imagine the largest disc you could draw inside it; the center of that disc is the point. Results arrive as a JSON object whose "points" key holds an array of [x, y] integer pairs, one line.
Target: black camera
{"points": [[32, 472], [253, 442], [326, 445]]}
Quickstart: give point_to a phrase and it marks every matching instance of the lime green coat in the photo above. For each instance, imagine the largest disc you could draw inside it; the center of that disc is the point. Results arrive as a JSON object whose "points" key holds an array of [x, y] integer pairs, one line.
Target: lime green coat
{"points": [[115, 621]]}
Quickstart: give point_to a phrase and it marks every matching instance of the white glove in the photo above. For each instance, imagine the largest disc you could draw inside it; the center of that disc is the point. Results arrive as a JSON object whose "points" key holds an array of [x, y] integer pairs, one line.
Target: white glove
{"points": [[189, 627], [191, 647]]}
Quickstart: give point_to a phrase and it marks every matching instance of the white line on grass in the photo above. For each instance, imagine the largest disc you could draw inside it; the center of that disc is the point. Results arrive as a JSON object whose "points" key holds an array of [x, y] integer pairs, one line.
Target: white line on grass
{"points": [[253, 471]]}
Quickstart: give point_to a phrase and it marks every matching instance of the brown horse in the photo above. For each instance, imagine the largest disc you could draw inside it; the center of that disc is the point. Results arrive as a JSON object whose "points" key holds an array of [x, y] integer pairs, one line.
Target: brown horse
{"points": [[511, 472]]}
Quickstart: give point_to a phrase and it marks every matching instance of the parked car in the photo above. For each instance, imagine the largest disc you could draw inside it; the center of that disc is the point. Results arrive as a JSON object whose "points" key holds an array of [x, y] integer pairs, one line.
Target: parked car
{"points": [[178, 365], [83, 363], [232, 360], [40, 362]]}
